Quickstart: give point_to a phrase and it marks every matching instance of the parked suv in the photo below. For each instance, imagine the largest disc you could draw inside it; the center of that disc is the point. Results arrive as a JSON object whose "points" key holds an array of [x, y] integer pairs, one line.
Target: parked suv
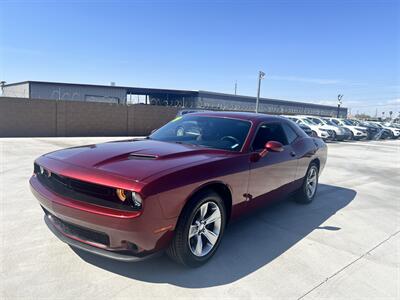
{"points": [[317, 130], [374, 132], [339, 134], [347, 132], [357, 132]]}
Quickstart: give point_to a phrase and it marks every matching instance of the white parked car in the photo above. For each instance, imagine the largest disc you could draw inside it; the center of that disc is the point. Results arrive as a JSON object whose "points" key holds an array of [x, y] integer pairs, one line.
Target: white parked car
{"points": [[357, 132], [339, 134], [317, 130]]}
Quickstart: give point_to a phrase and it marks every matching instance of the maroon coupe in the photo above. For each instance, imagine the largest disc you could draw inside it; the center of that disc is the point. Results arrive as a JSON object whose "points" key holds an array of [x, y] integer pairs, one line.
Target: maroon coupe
{"points": [[178, 188]]}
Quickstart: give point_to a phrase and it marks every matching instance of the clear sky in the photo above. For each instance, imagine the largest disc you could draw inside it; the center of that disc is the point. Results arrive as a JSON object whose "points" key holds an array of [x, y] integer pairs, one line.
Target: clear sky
{"points": [[311, 50]]}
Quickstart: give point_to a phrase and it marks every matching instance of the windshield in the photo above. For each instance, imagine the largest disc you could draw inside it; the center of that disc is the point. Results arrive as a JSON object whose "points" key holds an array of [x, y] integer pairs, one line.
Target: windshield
{"points": [[210, 132], [308, 121], [347, 122], [316, 121], [367, 124], [329, 122]]}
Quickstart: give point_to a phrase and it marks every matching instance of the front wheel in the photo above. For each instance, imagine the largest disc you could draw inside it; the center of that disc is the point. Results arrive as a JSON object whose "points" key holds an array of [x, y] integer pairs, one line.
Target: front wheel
{"points": [[308, 190], [199, 230], [352, 136], [333, 137]]}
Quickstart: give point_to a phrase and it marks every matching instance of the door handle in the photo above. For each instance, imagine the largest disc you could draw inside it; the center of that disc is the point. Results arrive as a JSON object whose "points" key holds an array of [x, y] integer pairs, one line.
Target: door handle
{"points": [[293, 153]]}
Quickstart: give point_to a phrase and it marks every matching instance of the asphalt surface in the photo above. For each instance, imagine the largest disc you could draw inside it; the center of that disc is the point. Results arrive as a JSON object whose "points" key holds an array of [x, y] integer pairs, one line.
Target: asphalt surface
{"points": [[346, 244]]}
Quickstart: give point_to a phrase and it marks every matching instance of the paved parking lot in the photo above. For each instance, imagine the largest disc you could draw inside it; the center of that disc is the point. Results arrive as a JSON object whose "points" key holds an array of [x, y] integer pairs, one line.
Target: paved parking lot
{"points": [[345, 244]]}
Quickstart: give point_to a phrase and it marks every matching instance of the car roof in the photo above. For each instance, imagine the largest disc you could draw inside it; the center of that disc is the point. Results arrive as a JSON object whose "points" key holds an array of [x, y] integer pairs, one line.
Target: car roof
{"points": [[247, 116]]}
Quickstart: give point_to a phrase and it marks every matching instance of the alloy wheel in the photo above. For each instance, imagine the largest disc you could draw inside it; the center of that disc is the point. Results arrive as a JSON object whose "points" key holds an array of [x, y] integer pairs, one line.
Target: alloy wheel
{"points": [[312, 180], [205, 229]]}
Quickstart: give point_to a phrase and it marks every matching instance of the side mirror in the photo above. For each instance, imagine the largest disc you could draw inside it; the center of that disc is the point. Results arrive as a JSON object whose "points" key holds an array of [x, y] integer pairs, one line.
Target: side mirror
{"points": [[271, 146]]}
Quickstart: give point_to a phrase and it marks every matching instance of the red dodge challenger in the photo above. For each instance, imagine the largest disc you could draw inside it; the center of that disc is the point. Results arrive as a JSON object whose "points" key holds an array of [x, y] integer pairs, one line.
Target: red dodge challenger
{"points": [[178, 188]]}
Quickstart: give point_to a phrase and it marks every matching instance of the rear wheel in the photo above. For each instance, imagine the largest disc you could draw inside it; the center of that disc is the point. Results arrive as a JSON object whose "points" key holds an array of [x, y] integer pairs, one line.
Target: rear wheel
{"points": [[308, 190], [199, 230]]}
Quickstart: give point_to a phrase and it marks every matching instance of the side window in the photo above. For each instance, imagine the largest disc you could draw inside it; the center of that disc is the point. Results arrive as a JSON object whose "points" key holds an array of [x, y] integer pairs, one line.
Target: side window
{"points": [[335, 121], [291, 135], [269, 132]]}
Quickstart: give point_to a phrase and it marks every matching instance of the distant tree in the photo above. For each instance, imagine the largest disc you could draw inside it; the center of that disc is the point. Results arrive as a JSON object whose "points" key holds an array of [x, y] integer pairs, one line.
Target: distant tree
{"points": [[362, 116]]}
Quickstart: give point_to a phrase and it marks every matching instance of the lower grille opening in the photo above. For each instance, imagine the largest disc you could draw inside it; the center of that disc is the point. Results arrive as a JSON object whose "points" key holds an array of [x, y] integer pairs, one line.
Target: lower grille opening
{"points": [[80, 232]]}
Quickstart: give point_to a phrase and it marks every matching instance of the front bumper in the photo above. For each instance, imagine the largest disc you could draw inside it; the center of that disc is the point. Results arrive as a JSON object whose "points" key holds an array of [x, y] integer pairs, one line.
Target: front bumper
{"points": [[360, 135], [134, 234], [73, 242]]}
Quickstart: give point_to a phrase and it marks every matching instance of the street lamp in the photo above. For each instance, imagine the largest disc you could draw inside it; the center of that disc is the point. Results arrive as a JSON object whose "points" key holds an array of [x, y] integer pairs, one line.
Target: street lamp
{"points": [[261, 75], [339, 98]]}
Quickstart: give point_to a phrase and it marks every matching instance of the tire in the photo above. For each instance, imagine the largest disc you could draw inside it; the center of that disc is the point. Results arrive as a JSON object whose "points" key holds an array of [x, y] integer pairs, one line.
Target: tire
{"points": [[352, 136], [303, 195], [333, 137], [182, 248]]}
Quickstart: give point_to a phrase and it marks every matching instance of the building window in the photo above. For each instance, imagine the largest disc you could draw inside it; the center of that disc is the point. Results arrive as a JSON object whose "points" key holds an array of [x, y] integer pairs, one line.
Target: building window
{"points": [[105, 99]]}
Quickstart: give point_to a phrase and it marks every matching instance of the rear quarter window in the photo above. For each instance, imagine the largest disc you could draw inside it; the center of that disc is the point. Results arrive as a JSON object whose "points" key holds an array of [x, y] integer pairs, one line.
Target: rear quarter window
{"points": [[291, 135]]}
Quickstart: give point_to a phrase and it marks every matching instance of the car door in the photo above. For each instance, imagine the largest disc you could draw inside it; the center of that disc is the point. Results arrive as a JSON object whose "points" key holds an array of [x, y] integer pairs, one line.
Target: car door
{"points": [[271, 176]]}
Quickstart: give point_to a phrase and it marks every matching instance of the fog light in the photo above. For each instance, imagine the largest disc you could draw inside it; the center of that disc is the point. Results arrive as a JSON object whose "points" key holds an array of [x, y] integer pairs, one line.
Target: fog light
{"points": [[121, 194]]}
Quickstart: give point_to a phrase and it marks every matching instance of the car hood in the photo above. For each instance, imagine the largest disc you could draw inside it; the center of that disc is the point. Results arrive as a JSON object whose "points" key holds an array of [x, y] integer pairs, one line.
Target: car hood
{"points": [[136, 159], [353, 127], [329, 127], [313, 127]]}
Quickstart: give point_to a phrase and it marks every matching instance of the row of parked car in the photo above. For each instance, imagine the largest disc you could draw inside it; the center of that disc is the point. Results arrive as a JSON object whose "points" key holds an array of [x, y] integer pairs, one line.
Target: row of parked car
{"points": [[337, 129], [345, 129]]}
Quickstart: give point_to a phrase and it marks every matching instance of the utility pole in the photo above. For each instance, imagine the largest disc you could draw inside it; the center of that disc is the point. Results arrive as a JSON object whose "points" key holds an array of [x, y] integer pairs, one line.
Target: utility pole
{"points": [[2, 84], [261, 76], [339, 98], [235, 86]]}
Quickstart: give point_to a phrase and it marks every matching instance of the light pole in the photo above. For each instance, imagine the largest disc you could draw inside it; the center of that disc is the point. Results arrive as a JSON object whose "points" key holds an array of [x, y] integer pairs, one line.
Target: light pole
{"points": [[235, 86], [2, 84], [339, 98], [261, 75]]}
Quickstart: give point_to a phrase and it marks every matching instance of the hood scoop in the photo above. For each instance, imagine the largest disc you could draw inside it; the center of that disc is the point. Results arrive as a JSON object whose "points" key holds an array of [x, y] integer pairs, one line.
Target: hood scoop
{"points": [[141, 156]]}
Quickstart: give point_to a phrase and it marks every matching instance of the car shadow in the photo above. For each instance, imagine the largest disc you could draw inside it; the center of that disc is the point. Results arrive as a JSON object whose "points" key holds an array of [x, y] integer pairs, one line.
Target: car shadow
{"points": [[248, 244]]}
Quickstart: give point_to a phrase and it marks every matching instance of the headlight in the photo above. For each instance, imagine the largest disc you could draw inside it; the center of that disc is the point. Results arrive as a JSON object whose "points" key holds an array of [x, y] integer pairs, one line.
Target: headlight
{"points": [[39, 170], [132, 198], [137, 200]]}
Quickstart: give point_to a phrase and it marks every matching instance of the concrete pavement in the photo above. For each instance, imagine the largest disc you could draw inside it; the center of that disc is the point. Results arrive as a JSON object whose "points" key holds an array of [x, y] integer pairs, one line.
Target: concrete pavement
{"points": [[346, 244]]}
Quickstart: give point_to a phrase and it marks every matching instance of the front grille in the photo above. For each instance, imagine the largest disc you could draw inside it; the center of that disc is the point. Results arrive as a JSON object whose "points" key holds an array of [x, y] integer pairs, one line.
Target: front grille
{"points": [[103, 192], [80, 232], [82, 191]]}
